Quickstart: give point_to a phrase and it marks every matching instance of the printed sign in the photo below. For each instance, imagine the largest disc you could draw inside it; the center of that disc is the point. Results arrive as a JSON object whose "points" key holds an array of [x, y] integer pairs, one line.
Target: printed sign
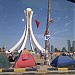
{"points": [[47, 37]]}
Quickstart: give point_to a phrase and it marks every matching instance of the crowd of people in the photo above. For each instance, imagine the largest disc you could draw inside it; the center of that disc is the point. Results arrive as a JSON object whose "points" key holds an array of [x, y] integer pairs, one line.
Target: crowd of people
{"points": [[45, 56]]}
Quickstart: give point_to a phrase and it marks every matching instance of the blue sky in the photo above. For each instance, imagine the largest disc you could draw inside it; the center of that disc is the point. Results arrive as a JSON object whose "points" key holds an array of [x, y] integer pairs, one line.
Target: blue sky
{"points": [[12, 26]]}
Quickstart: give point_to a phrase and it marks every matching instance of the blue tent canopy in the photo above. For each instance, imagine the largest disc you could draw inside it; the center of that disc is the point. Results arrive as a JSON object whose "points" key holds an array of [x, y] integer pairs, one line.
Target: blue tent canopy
{"points": [[61, 61]]}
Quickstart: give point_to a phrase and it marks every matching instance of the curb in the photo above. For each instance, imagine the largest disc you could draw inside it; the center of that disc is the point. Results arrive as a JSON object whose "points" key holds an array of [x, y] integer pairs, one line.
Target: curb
{"points": [[35, 70], [18, 70], [61, 69]]}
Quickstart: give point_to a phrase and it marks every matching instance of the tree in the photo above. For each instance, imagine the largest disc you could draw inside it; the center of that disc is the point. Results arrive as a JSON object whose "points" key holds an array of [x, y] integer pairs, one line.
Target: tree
{"points": [[64, 49], [71, 49], [56, 50], [0, 50]]}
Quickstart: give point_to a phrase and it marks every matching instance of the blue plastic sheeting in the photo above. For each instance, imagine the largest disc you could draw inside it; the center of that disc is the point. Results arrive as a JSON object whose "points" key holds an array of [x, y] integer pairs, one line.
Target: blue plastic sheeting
{"points": [[62, 61]]}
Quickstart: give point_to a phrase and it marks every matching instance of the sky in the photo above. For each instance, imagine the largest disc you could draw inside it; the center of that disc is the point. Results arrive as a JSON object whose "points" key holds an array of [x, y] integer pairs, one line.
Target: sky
{"points": [[12, 21]]}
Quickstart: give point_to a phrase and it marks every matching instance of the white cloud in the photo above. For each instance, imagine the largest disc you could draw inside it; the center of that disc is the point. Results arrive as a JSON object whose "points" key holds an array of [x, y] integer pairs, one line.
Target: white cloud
{"points": [[57, 5], [58, 38], [66, 24], [61, 31], [39, 36], [57, 20]]}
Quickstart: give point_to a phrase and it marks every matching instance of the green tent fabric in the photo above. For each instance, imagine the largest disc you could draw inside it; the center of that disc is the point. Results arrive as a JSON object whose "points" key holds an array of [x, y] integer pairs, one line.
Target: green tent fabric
{"points": [[31, 52], [4, 61]]}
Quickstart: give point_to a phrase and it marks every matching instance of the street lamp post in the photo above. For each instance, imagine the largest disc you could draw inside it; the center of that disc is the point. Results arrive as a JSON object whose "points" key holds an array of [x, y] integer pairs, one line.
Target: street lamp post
{"points": [[47, 44]]}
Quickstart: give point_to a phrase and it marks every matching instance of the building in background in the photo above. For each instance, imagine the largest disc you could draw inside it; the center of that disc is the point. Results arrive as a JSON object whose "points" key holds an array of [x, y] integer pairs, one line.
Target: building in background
{"points": [[52, 48], [69, 45], [73, 46]]}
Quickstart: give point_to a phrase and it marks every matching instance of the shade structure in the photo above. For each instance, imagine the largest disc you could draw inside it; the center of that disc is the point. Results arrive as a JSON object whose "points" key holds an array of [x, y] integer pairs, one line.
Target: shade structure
{"points": [[62, 61]]}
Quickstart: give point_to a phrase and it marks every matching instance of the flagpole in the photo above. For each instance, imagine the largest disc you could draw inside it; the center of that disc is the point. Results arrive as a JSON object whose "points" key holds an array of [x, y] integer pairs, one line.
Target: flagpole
{"points": [[47, 44]]}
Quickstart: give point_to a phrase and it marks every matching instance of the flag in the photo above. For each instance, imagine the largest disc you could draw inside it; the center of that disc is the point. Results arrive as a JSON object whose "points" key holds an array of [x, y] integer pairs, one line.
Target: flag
{"points": [[51, 21], [37, 23]]}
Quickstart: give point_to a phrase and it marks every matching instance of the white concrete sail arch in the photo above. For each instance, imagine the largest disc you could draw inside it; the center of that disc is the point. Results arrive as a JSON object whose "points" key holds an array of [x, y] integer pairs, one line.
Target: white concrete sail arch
{"points": [[28, 30], [17, 44]]}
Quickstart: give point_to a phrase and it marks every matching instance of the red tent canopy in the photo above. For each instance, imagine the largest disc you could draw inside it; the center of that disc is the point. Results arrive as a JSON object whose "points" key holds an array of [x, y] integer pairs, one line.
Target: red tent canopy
{"points": [[25, 60]]}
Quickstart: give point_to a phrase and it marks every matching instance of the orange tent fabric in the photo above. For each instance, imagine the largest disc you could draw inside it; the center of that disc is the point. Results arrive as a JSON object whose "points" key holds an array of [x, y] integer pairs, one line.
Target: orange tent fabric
{"points": [[25, 60]]}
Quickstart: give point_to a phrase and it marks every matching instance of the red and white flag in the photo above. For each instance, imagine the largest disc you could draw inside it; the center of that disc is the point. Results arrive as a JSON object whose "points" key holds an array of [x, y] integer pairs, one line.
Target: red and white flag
{"points": [[37, 23]]}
